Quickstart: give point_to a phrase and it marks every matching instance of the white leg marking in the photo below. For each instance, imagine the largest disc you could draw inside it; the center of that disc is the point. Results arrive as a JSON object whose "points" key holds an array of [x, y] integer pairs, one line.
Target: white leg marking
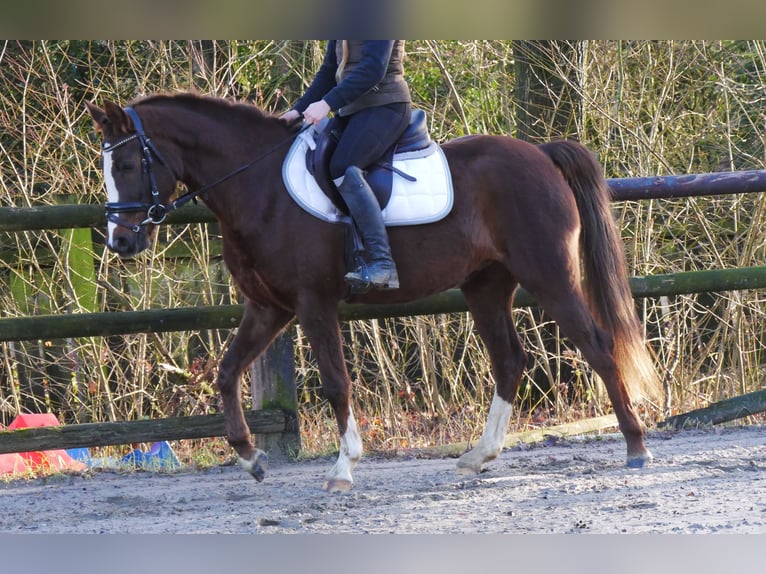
{"points": [[491, 442], [339, 477], [257, 465], [112, 194]]}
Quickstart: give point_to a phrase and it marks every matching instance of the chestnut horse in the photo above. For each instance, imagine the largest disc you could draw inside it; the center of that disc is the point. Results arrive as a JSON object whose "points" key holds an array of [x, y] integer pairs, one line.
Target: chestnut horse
{"points": [[522, 215]]}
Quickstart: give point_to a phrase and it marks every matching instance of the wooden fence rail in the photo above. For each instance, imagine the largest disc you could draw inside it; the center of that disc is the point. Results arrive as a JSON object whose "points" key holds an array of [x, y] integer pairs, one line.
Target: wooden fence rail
{"points": [[44, 327], [13, 219], [148, 430]]}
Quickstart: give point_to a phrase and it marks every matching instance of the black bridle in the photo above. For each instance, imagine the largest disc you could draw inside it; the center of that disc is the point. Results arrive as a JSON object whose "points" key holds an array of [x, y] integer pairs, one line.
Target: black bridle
{"points": [[157, 212]]}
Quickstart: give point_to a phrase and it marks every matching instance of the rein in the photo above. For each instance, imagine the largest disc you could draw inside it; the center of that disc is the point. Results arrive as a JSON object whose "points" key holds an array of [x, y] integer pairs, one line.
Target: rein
{"points": [[157, 212]]}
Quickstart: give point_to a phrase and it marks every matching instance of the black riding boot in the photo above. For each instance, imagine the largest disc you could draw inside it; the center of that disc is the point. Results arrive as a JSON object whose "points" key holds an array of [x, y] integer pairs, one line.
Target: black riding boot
{"points": [[380, 271]]}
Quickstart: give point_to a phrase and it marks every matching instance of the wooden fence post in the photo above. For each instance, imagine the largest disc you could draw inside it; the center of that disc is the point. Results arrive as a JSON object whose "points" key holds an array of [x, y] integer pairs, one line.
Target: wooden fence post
{"points": [[272, 381]]}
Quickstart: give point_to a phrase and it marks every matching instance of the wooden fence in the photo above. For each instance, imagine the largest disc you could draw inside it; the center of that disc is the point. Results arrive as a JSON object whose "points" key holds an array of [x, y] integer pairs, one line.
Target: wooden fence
{"points": [[284, 422]]}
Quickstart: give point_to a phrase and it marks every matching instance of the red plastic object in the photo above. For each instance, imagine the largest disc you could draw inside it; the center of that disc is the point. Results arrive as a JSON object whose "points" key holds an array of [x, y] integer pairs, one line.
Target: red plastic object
{"points": [[55, 459], [34, 420], [12, 463]]}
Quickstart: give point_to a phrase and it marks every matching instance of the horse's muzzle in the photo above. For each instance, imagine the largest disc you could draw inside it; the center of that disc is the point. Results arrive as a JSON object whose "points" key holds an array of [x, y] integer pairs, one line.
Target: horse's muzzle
{"points": [[127, 243]]}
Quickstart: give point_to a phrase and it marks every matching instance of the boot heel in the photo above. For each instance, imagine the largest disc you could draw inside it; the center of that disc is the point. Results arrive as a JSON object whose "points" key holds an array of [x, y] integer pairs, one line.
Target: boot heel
{"points": [[385, 277]]}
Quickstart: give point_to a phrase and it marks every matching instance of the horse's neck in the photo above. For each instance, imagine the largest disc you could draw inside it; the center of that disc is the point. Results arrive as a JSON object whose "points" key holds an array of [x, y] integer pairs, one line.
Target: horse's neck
{"points": [[211, 149], [204, 157], [211, 152]]}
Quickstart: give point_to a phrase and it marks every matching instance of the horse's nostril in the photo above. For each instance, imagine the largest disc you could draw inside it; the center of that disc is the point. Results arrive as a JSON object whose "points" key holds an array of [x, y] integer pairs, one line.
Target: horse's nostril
{"points": [[120, 245]]}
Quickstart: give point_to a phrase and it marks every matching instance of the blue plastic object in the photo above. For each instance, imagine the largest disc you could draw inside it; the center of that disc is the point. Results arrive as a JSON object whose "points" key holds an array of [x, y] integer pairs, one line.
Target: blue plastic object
{"points": [[81, 454], [159, 457]]}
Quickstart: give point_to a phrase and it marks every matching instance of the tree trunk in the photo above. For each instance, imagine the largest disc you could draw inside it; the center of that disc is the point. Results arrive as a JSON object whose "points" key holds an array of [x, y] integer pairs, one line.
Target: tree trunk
{"points": [[545, 109], [546, 98], [294, 68]]}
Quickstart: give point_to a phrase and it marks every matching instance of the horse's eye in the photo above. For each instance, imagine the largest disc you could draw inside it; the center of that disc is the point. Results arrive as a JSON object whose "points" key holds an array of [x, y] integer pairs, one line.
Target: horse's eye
{"points": [[125, 166]]}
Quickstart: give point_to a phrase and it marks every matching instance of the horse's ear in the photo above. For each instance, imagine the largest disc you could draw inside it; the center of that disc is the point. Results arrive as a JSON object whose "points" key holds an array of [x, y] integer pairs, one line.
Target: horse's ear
{"points": [[110, 121], [98, 116]]}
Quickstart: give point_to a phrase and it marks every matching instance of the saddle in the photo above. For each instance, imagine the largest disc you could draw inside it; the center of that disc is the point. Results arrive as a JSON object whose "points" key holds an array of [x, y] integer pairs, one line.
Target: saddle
{"points": [[380, 175]]}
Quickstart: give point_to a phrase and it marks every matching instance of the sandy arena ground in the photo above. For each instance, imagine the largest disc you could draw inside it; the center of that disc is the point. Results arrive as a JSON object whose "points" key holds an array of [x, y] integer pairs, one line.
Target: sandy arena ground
{"points": [[700, 482]]}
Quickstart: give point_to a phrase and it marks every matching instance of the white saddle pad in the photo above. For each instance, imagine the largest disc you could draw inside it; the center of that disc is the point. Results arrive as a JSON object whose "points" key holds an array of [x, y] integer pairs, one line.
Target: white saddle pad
{"points": [[425, 200]]}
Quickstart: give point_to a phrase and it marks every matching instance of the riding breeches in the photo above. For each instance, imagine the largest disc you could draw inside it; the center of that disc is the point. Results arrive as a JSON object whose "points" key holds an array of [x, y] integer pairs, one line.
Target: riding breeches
{"points": [[366, 136]]}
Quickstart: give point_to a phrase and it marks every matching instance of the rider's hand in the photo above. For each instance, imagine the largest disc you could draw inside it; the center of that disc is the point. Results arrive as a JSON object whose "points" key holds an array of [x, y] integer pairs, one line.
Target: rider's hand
{"points": [[316, 112], [290, 116]]}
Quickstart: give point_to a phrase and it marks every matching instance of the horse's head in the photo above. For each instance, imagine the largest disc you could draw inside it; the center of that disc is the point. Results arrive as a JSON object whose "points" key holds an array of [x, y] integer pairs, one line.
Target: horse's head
{"points": [[139, 181]]}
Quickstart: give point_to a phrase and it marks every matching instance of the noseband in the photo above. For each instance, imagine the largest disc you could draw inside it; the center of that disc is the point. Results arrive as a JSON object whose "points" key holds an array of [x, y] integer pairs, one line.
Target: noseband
{"points": [[157, 212]]}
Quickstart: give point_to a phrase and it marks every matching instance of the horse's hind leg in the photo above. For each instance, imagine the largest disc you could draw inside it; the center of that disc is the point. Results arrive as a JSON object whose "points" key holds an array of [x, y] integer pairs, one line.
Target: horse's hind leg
{"points": [[255, 333], [489, 295], [565, 304], [319, 321]]}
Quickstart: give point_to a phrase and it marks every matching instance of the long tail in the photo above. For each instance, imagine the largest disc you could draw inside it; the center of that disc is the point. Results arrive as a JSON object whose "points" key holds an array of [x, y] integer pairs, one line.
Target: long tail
{"points": [[605, 270]]}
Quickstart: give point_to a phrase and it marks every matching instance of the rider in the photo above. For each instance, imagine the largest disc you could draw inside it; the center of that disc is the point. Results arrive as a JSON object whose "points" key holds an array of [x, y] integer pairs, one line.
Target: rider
{"points": [[362, 83]]}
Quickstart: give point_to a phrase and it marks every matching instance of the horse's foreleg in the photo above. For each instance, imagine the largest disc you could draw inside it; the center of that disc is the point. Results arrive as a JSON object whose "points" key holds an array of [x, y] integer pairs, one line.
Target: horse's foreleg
{"points": [[320, 324], [489, 297], [339, 478], [255, 333], [491, 443]]}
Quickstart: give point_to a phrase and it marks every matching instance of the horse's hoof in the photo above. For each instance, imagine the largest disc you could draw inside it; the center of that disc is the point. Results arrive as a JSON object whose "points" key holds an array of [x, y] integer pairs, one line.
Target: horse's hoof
{"points": [[639, 461], [337, 485], [257, 465], [468, 468]]}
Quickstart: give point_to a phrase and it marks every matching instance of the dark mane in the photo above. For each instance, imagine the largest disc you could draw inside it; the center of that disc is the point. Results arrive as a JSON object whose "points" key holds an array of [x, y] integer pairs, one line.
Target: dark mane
{"points": [[211, 105]]}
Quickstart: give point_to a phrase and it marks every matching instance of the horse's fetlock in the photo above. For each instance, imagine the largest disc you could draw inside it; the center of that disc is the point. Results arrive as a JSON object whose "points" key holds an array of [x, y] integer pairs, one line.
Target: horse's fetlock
{"points": [[238, 443]]}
